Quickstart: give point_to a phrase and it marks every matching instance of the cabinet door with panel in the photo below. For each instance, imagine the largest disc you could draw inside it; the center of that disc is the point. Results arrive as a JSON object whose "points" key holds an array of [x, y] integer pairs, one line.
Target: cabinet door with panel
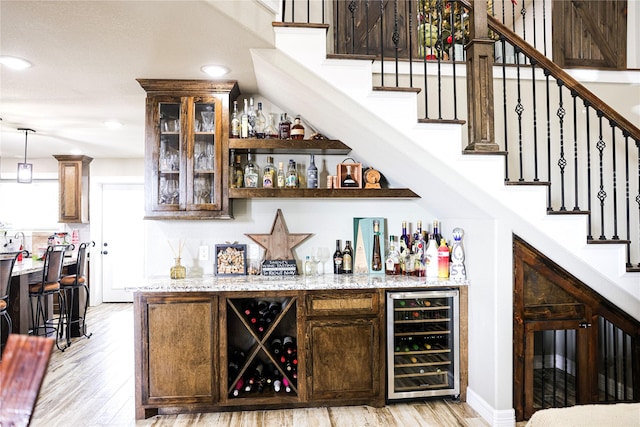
{"points": [[186, 148], [73, 178], [344, 347], [176, 351]]}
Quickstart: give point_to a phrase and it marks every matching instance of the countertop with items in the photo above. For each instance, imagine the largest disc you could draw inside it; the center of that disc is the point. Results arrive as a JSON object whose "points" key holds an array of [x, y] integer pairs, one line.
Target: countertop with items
{"points": [[244, 283], [30, 265]]}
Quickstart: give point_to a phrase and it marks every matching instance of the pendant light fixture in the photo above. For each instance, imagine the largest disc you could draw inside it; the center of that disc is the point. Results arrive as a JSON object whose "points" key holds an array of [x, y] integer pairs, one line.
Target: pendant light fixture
{"points": [[25, 170]]}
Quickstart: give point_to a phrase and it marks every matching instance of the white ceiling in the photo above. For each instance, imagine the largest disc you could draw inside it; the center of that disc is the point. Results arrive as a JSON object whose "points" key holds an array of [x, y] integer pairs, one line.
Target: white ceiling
{"points": [[86, 56]]}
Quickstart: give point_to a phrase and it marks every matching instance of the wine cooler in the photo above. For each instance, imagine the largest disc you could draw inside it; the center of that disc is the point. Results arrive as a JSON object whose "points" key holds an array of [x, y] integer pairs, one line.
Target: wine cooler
{"points": [[423, 344]]}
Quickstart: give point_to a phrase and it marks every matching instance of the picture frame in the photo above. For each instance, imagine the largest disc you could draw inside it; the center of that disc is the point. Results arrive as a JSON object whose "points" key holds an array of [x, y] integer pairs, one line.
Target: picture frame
{"points": [[231, 260]]}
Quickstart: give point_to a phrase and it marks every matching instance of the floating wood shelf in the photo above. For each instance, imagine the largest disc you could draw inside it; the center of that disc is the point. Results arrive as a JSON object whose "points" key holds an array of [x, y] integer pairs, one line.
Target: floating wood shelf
{"points": [[252, 193], [289, 146]]}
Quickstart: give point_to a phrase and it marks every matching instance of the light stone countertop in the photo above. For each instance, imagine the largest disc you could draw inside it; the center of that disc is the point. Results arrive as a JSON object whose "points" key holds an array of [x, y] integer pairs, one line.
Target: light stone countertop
{"points": [[290, 283]]}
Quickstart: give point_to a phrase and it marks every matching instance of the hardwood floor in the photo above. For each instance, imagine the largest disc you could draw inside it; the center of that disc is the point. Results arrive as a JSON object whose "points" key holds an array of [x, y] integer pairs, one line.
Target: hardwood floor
{"points": [[92, 384]]}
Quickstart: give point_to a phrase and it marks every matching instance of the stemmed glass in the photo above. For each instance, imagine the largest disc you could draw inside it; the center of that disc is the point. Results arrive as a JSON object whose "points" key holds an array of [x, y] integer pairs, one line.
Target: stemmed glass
{"points": [[172, 191], [322, 255]]}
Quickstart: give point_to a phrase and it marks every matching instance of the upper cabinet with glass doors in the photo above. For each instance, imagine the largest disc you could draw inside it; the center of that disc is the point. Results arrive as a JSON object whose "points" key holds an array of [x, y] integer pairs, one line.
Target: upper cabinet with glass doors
{"points": [[187, 147]]}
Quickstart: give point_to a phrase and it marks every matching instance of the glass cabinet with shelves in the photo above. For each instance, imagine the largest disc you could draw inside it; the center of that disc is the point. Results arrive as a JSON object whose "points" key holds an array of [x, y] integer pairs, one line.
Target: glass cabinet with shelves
{"points": [[186, 148]]}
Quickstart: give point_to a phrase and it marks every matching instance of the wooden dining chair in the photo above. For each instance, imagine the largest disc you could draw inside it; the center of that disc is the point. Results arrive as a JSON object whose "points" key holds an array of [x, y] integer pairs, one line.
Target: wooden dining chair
{"points": [[7, 261]]}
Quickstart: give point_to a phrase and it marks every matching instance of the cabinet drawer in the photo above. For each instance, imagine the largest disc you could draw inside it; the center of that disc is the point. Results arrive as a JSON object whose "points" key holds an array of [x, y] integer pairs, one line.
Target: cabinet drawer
{"points": [[342, 303]]}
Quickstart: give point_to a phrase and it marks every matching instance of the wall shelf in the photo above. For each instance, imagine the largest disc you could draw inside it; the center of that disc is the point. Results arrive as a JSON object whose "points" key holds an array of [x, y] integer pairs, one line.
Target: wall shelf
{"points": [[252, 193]]}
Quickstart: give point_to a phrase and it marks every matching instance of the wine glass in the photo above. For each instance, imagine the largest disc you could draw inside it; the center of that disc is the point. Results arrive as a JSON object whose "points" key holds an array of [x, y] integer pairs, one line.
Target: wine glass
{"points": [[322, 255]]}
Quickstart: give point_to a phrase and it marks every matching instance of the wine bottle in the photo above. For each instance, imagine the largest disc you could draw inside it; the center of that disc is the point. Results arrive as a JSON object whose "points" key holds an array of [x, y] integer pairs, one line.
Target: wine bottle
{"points": [[417, 235], [286, 384], [238, 387], [248, 308], [347, 258], [312, 173], [275, 307], [297, 130], [288, 345], [260, 122], [235, 121], [244, 120], [277, 386], [337, 259], [392, 262], [443, 259], [276, 346], [281, 178], [376, 258], [251, 119], [269, 174], [436, 232], [250, 173], [348, 181], [284, 127], [291, 180], [271, 131]]}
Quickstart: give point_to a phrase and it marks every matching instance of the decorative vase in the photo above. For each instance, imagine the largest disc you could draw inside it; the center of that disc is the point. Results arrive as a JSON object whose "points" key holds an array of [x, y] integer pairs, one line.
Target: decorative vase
{"points": [[178, 271]]}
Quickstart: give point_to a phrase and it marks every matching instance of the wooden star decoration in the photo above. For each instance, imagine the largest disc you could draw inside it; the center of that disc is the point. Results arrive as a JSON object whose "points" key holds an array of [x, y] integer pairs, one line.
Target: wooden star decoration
{"points": [[279, 243]]}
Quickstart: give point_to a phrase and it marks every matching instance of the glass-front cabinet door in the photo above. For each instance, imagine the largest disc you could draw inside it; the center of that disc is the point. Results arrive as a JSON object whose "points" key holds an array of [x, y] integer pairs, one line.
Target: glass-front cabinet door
{"points": [[187, 148]]}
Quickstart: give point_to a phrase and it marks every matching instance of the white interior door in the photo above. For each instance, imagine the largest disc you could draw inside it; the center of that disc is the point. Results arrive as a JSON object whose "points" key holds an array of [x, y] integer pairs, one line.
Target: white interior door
{"points": [[123, 240]]}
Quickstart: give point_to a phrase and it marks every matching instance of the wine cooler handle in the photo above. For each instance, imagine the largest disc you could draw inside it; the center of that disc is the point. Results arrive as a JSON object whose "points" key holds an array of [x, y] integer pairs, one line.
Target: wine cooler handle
{"points": [[584, 325]]}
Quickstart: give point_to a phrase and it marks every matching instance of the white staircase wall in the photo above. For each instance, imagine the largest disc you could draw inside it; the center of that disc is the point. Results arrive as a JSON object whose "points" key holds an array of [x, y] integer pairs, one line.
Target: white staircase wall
{"points": [[383, 131]]}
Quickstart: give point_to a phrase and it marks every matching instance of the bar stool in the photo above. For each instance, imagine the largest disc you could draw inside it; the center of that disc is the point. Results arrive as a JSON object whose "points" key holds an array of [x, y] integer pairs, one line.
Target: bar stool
{"points": [[7, 261], [48, 287], [70, 286]]}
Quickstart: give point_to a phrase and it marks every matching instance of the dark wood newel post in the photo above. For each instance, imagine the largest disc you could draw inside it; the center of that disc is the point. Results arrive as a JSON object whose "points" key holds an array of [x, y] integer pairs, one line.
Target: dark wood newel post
{"points": [[480, 81]]}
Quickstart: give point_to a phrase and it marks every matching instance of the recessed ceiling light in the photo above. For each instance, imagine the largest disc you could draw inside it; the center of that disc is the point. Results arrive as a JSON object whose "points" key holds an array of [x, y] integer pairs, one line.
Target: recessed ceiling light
{"points": [[113, 124], [214, 70], [14, 63]]}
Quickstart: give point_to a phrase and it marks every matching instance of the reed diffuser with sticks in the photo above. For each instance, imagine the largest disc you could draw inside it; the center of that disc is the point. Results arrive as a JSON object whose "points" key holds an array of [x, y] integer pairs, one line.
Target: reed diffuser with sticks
{"points": [[178, 271]]}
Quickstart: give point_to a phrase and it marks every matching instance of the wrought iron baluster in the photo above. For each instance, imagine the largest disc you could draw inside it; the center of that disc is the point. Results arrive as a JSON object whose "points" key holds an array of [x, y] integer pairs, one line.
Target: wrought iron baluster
{"points": [[627, 198], [574, 95], [453, 60], [535, 120], [439, 45], [533, 10], [519, 110], [615, 180], [410, 46], [602, 195], [504, 105], [546, 74], [562, 162], [353, 6], [395, 38], [382, 42], [638, 195], [423, 51], [366, 18], [587, 105]]}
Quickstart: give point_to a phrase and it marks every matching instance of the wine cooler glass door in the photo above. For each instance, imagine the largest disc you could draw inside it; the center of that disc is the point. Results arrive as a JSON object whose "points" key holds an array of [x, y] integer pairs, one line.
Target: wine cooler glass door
{"points": [[423, 344]]}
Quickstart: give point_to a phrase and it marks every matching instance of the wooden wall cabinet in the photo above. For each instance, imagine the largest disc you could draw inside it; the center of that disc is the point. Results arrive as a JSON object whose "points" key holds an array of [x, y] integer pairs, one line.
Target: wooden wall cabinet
{"points": [[73, 178], [186, 133]]}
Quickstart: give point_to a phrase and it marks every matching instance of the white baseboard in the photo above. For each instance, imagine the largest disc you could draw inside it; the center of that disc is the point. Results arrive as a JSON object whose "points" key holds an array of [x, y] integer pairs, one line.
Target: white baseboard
{"points": [[496, 418]]}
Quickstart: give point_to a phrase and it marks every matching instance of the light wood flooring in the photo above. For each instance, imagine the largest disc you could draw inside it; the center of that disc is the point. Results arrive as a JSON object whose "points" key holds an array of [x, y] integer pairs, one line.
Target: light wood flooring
{"points": [[92, 384]]}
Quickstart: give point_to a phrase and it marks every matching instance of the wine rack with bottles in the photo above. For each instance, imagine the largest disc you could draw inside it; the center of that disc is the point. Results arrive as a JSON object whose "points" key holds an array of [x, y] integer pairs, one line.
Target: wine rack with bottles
{"points": [[262, 354], [423, 344]]}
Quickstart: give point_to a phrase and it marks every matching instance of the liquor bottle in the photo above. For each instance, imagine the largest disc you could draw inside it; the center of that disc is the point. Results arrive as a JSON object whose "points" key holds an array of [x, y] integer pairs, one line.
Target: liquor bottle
{"points": [[297, 130], [261, 122], [308, 266], [235, 121], [348, 181], [271, 131], [269, 173], [291, 180], [431, 257], [457, 269], [276, 346], [337, 259], [443, 259], [284, 127], [281, 177], [312, 173], [252, 119], [392, 263], [376, 258], [419, 248], [250, 173], [436, 232], [347, 258], [244, 120], [417, 235], [238, 174], [404, 238]]}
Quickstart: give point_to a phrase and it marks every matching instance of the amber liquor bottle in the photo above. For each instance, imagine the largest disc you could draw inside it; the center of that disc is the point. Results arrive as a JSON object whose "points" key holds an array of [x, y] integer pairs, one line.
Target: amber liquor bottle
{"points": [[297, 130], [337, 259], [376, 257], [347, 258]]}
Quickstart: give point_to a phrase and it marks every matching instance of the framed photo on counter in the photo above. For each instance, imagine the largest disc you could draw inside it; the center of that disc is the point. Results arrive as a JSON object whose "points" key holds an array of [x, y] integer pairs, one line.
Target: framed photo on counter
{"points": [[231, 260]]}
